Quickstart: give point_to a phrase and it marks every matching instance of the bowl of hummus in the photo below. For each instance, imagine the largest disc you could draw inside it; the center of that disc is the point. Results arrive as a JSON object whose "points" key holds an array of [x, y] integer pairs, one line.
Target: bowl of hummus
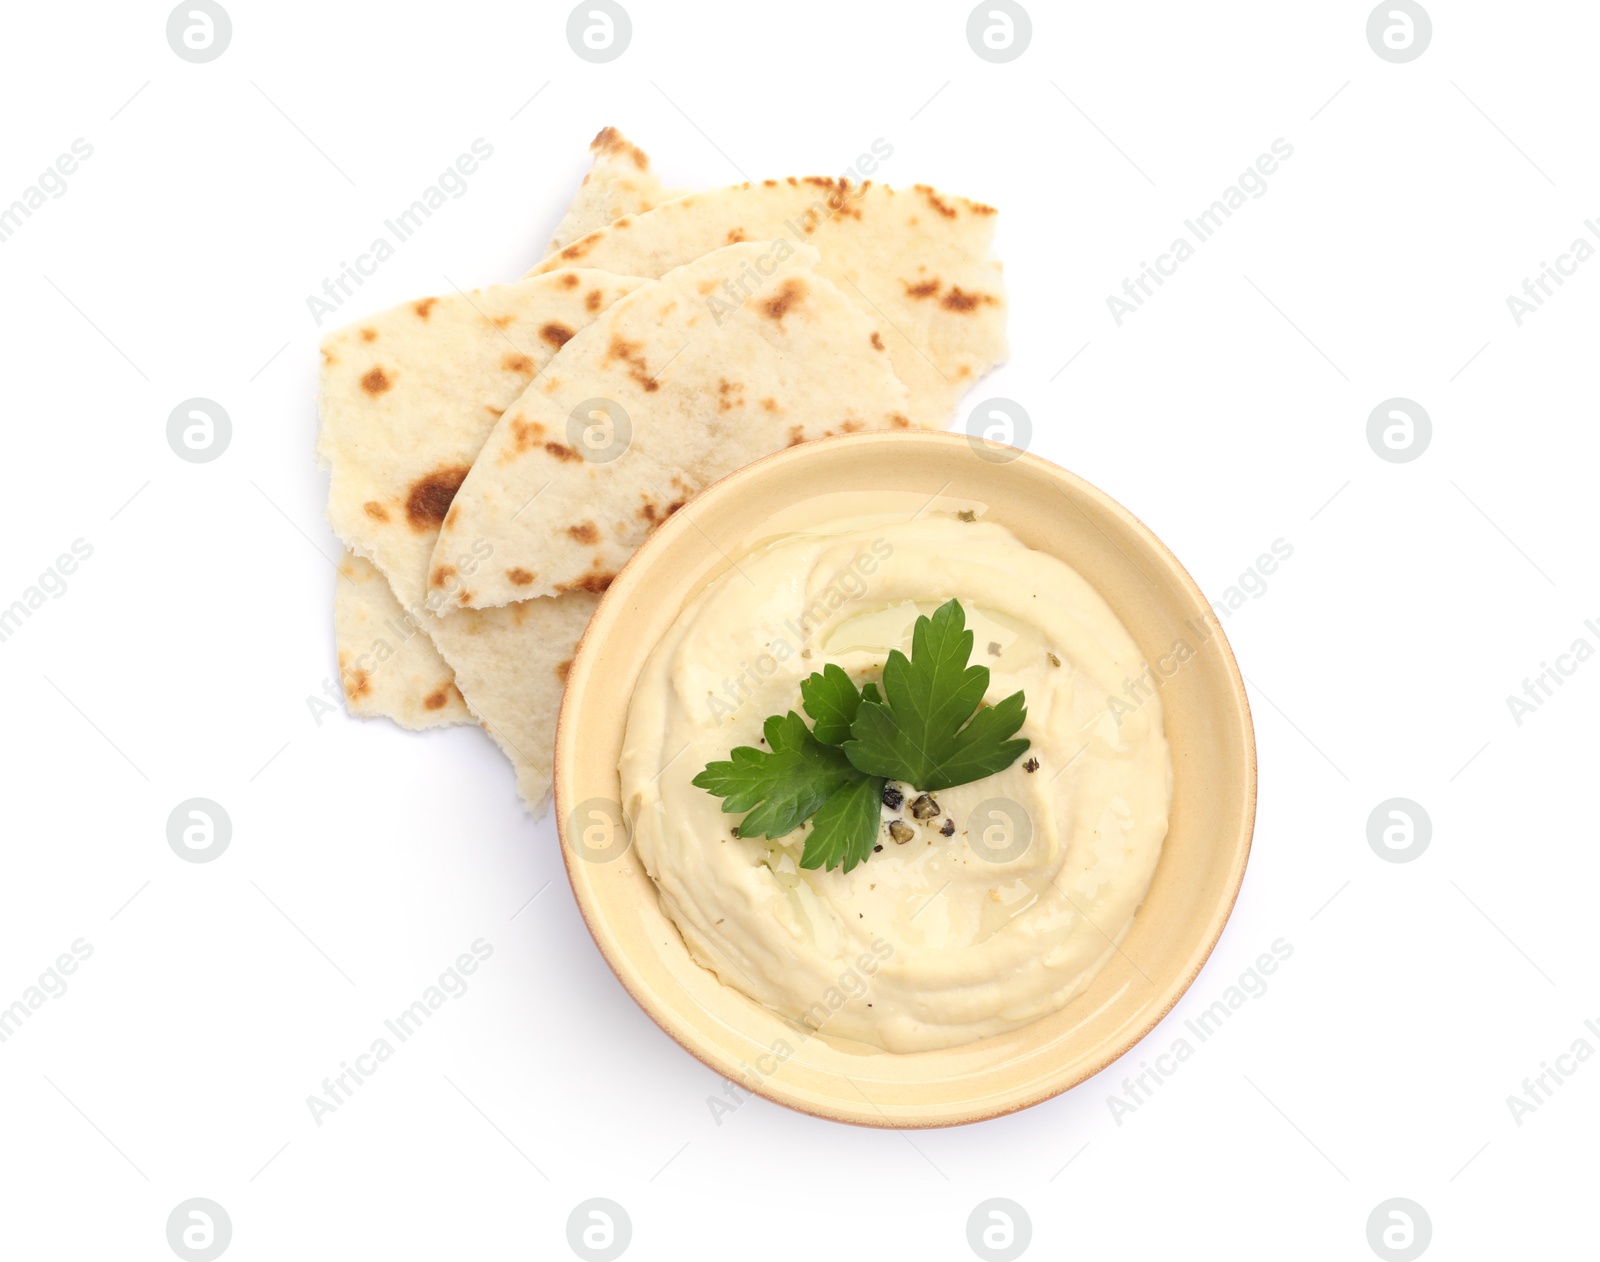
{"points": [[903, 784]]}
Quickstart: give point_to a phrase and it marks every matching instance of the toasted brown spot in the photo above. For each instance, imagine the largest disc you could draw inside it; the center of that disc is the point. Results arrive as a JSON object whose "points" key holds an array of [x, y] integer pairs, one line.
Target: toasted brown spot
{"points": [[375, 510], [797, 435], [877, 342], [429, 498], [770, 405], [450, 517], [736, 235], [562, 668], [638, 369], [922, 289], [357, 684], [369, 335], [569, 280], [595, 583], [327, 356], [584, 532], [610, 140], [593, 300], [437, 699], [934, 200], [791, 292], [851, 427], [770, 183], [526, 435], [521, 577], [655, 514], [562, 452], [441, 575], [731, 395], [581, 246], [502, 321], [959, 300], [376, 382], [900, 422], [463, 597], [424, 307], [558, 335], [517, 363]]}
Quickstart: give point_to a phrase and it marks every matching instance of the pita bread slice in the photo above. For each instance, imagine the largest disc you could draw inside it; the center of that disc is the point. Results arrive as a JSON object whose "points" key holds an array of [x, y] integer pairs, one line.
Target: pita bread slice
{"points": [[702, 393], [511, 663], [409, 394], [620, 182], [917, 261], [408, 397], [387, 663]]}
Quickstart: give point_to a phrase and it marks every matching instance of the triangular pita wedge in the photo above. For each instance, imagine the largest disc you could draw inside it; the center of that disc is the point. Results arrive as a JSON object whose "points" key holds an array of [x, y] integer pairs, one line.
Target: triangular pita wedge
{"points": [[701, 392], [388, 664], [409, 394], [408, 397], [620, 182], [917, 261], [382, 678], [512, 664]]}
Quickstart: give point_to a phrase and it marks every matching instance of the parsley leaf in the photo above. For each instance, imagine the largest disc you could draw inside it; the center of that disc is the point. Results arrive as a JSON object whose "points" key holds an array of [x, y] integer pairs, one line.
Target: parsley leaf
{"points": [[832, 701], [847, 827], [781, 786], [930, 732], [928, 727]]}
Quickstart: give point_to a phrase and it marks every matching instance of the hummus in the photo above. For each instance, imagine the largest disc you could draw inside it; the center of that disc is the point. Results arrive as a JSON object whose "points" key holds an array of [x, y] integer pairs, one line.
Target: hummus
{"points": [[1004, 903]]}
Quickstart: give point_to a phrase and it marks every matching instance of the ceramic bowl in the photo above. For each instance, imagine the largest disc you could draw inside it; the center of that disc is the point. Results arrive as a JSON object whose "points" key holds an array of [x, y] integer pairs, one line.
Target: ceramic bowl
{"points": [[1208, 727]]}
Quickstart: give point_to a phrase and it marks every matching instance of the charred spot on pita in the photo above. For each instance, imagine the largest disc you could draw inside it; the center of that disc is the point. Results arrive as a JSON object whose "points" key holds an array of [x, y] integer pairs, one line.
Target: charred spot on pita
{"points": [[428, 501]]}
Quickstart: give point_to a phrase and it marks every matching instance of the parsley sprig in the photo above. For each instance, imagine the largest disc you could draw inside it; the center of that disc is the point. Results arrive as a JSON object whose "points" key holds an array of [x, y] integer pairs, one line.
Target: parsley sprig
{"points": [[927, 727]]}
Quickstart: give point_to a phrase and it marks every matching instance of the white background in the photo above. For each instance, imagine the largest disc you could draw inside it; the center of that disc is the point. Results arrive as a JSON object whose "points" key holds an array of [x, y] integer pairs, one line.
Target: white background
{"points": [[1228, 413]]}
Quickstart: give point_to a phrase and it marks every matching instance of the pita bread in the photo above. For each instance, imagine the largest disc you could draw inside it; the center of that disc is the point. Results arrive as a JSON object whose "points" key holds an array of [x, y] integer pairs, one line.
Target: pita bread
{"points": [[702, 392], [409, 395], [620, 182], [387, 663], [916, 261], [511, 664]]}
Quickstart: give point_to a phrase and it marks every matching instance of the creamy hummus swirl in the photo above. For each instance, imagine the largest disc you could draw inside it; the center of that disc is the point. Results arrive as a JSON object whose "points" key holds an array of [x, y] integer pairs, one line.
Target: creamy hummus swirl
{"points": [[1002, 906]]}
